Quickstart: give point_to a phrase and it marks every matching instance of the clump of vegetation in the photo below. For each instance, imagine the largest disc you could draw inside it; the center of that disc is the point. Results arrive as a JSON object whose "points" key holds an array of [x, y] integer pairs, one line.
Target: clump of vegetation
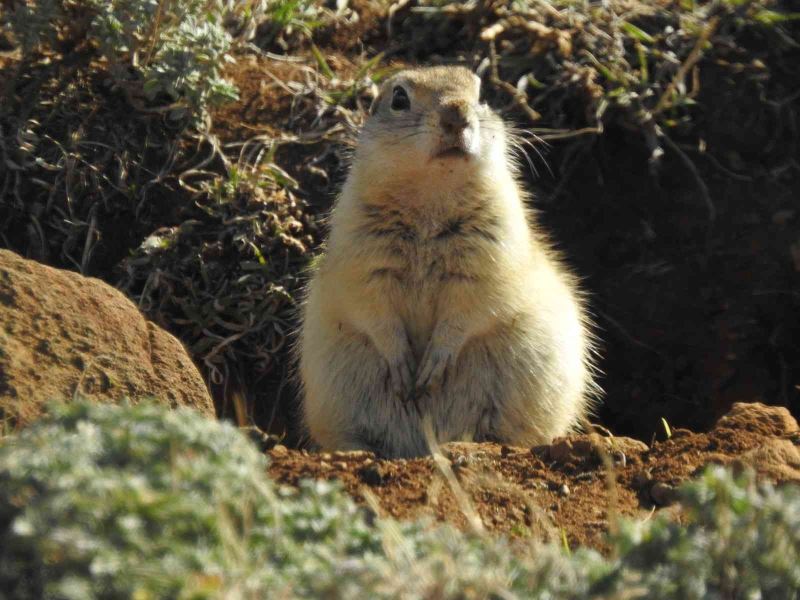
{"points": [[143, 502], [172, 52], [739, 540], [226, 280], [81, 166]]}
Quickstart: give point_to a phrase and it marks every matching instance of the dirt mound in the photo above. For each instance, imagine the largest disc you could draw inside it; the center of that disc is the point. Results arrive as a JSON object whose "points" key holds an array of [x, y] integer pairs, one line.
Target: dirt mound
{"points": [[63, 335], [573, 488]]}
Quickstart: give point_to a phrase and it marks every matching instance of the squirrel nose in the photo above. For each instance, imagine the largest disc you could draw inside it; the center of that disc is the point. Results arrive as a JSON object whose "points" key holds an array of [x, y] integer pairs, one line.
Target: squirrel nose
{"points": [[454, 118]]}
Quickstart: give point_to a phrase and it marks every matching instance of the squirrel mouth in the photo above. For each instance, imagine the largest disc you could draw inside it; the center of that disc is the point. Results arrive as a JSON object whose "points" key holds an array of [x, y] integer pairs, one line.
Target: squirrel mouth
{"points": [[452, 151], [462, 145]]}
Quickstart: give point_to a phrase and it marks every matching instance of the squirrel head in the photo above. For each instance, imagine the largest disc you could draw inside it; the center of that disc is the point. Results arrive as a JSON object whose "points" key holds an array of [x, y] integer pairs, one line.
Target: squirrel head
{"points": [[430, 122]]}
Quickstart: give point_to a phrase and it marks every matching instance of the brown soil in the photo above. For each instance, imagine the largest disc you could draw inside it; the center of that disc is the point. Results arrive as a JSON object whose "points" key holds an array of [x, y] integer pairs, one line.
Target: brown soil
{"points": [[63, 335], [574, 487]]}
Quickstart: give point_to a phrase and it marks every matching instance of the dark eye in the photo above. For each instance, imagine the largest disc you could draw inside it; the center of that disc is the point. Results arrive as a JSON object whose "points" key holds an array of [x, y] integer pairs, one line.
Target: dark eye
{"points": [[400, 99]]}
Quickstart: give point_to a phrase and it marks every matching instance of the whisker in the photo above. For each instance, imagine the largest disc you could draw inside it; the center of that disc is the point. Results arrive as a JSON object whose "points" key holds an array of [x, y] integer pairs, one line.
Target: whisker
{"points": [[521, 151], [410, 135]]}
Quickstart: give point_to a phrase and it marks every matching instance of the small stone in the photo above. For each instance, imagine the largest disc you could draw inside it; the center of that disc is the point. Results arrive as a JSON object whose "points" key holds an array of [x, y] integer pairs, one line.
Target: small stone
{"points": [[324, 466], [679, 433], [371, 475], [541, 452], [279, 450], [340, 465], [663, 494], [561, 450], [563, 490], [460, 461], [642, 478], [586, 446], [759, 418], [359, 454], [326, 456]]}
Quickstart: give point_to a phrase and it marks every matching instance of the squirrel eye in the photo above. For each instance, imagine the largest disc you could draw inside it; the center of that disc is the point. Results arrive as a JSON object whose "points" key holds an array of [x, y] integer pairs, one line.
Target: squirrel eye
{"points": [[400, 99]]}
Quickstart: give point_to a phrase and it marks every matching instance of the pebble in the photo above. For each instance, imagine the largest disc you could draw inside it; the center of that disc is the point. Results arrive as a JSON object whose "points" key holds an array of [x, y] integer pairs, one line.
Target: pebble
{"points": [[561, 450], [663, 494], [460, 461], [563, 490], [371, 475], [279, 450], [642, 478]]}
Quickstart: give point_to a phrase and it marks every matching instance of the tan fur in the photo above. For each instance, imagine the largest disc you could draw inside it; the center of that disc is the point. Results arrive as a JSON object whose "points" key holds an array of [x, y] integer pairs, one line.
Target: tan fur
{"points": [[436, 298]]}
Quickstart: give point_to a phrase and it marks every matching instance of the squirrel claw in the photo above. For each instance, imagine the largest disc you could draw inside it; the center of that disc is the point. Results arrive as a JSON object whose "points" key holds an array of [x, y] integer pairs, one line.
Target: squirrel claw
{"points": [[400, 378], [433, 368]]}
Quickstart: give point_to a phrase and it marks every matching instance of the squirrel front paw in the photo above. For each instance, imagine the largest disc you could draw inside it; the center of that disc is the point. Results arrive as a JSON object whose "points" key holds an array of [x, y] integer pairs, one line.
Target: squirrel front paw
{"points": [[433, 368], [400, 376]]}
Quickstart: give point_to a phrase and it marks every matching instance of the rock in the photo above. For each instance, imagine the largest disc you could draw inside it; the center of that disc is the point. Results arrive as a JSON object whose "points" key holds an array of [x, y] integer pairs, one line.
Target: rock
{"points": [[758, 418], [279, 450], [641, 479], [371, 475], [63, 335], [777, 459], [563, 490], [679, 433], [561, 450], [576, 447], [663, 494], [460, 461], [352, 454]]}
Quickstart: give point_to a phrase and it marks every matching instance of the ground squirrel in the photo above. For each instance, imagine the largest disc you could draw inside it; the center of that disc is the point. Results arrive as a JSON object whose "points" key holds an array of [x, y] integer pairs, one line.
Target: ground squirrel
{"points": [[437, 297]]}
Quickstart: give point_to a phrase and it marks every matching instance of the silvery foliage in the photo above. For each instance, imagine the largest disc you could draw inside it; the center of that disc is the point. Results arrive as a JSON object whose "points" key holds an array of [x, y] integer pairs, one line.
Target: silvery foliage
{"points": [[163, 54], [741, 539], [104, 501]]}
